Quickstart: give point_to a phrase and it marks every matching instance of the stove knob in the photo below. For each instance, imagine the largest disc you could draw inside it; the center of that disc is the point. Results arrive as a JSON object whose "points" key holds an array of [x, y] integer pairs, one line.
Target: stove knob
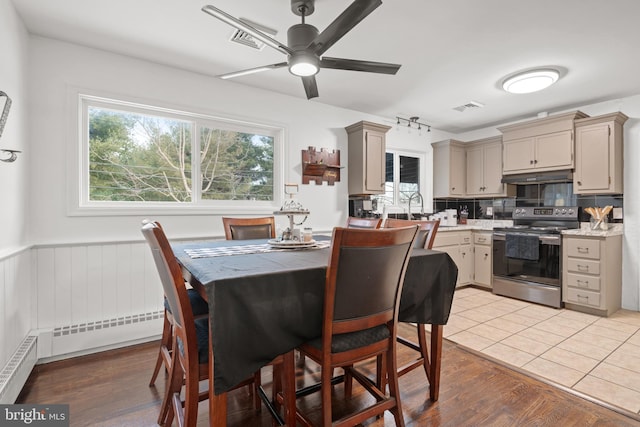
{"points": [[571, 211], [564, 211], [557, 212]]}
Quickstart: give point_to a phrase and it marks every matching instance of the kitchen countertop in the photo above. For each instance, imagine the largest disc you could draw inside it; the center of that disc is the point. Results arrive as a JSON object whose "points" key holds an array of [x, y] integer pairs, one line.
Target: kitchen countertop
{"points": [[477, 225], [585, 230]]}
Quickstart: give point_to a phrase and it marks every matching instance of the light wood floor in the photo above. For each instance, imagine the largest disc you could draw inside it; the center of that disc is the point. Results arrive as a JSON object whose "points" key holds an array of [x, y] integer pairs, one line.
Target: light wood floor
{"points": [[110, 389]]}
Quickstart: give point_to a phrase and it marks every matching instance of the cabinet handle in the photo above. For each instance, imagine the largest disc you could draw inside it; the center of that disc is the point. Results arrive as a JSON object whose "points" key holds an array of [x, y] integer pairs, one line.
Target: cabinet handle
{"points": [[583, 250], [535, 161], [585, 297], [530, 162], [486, 256], [586, 283], [453, 188], [583, 267], [482, 239], [579, 182]]}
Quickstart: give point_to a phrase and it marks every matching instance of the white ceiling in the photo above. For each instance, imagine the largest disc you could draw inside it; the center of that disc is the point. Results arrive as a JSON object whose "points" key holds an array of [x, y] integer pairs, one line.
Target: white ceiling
{"points": [[452, 52]]}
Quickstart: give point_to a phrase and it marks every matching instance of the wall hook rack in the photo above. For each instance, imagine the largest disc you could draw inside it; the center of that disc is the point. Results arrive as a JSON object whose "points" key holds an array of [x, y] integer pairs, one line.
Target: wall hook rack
{"points": [[13, 155]]}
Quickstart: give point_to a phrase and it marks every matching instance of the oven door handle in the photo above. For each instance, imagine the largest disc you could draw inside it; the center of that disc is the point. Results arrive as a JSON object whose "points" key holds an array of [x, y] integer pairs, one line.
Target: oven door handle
{"points": [[551, 239]]}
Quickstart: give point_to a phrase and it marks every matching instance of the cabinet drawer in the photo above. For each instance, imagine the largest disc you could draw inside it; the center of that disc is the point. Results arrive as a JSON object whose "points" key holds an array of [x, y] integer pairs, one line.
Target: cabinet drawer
{"points": [[583, 281], [583, 266], [482, 238], [446, 239], [583, 248], [582, 297]]}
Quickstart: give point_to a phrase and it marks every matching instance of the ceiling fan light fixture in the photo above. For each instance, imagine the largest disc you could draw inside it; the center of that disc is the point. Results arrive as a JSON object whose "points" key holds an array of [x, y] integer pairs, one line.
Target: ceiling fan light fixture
{"points": [[531, 81], [304, 64]]}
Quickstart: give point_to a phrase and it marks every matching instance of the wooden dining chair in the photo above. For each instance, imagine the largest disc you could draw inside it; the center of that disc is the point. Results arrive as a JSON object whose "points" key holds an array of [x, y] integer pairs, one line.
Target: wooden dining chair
{"points": [[426, 236], [200, 309], [190, 338], [354, 222], [249, 228], [367, 266]]}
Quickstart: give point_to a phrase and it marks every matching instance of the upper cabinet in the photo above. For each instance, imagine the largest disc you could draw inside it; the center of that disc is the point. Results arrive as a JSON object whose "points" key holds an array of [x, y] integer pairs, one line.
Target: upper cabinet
{"points": [[484, 169], [367, 146], [599, 151], [539, 145], [449, 168]]}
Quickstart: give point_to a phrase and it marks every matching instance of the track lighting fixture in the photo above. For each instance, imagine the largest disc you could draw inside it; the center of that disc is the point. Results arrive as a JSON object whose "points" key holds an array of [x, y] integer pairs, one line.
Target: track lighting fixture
{"points": [[412, 123]]}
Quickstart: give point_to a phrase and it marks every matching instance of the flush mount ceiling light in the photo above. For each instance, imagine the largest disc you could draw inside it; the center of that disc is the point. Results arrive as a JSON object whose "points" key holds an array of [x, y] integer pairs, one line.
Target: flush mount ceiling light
{"points": [[531, 81], [303, 64]]}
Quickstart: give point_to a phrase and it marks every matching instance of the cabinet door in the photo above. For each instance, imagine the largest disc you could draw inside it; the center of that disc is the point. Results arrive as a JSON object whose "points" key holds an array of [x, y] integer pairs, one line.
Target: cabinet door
{"points": [[374, 162], [482, 265], [593, 150], [457, 176], [475, 175], [554, 150], [518, 155], [465, 268], [492, 170]]}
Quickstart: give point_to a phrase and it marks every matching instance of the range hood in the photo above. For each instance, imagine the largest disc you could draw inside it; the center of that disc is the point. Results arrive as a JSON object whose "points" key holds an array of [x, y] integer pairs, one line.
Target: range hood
{"points": [[539, 177]]}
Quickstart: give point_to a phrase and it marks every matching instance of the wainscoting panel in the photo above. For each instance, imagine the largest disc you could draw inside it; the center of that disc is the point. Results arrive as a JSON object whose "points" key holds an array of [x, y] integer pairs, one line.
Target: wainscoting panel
{"points": [[96, 295], [16, 302]]}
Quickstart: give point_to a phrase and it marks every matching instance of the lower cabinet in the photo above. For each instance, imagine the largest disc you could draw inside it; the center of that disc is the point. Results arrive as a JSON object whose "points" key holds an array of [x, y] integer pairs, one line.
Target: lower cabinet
{"points": [[483, 259], [592, 276], [458, 244]]}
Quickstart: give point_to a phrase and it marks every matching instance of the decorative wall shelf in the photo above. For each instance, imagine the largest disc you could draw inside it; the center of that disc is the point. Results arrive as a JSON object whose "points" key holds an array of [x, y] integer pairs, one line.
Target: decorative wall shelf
{"points": [[319, 166]]}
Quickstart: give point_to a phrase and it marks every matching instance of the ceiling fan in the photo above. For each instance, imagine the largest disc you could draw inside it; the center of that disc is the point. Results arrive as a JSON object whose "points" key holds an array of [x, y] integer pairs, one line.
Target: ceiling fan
{"points": [[306, 44]]}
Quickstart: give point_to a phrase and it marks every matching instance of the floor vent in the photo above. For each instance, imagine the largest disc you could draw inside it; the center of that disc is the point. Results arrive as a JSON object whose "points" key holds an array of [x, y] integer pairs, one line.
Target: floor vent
{"points": [[16, 372], [246, 39], [470, 104], [108, 323]]}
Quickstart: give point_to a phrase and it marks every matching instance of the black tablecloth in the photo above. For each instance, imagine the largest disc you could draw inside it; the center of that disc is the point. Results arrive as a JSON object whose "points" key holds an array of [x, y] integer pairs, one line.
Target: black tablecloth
{"points": [[265, 304]]}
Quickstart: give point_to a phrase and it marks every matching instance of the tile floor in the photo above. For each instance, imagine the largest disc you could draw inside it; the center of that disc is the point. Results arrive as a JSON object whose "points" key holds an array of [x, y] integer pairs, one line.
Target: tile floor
{"points": [[596, 356]]}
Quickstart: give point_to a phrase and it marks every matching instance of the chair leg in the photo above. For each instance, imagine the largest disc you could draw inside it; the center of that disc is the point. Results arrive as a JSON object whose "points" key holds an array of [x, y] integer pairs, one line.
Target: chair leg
{"points": [[424, 351], [326, 389], [257, 383], [165, 342], [287, 383], [436, 361], [174, 384], [394, 388], [191, 395]]}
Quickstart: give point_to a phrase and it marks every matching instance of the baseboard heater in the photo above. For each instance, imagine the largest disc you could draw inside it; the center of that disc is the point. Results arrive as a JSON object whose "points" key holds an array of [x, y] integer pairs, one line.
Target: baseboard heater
{"points": [[15, 373]]}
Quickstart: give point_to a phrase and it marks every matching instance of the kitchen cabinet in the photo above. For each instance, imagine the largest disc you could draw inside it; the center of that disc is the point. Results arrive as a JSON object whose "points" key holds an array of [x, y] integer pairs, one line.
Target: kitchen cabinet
{"points": [[458, 244], [449, 168], [483, 259], [367, 148], [592, 276], [484, 169], [599, 151], [539, 145]]}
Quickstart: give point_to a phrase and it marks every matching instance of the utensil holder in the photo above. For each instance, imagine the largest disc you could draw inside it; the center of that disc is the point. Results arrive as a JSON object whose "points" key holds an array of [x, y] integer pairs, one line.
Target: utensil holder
{"points": [[599, 224]]}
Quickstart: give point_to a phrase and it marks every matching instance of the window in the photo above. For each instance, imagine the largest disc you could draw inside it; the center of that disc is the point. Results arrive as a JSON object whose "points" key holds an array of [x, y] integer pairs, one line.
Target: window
{"points": [[136, 156], [403, 178]]}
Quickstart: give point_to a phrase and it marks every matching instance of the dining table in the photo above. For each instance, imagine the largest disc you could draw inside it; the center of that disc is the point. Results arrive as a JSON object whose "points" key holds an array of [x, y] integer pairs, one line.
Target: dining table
{"points": [[265, 301]]}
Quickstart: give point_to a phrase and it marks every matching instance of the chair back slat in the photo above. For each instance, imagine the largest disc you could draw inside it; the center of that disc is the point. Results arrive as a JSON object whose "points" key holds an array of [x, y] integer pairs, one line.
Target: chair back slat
{"points": [[426, 234], [365, 276], [174, 289], [249, 228], [354, 222]]}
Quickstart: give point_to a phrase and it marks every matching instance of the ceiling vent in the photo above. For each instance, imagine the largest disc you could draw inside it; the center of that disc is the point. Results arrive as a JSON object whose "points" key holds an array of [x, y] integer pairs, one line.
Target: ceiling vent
{"points": [[470, 104], [243, 38]]}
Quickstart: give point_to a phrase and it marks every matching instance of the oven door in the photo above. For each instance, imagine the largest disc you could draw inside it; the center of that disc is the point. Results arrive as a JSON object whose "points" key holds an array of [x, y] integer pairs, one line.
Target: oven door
{"points": [[544, 270]]}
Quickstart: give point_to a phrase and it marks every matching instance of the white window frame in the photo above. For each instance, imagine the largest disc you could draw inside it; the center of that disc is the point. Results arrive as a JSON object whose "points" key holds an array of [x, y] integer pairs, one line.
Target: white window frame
{"points": [[422, 161], [80, 205]]}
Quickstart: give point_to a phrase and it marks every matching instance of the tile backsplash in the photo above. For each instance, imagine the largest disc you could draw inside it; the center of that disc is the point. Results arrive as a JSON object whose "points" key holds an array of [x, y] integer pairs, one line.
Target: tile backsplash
{"points": [[552, 194]]}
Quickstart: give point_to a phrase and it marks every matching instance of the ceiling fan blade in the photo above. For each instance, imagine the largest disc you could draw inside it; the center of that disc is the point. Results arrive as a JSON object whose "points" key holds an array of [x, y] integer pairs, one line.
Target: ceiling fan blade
{"points": [[252, 70], [310, 86], [348, 19], [243, 26], [357, 65]]}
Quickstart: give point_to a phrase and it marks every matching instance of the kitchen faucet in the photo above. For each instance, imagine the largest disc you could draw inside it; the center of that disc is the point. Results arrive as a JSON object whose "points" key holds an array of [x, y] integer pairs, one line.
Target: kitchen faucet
{"points": [[416, 194]]}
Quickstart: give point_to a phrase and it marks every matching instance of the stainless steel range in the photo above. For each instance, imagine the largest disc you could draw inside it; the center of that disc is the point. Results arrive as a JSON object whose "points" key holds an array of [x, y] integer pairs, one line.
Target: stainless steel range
{"points": [[527, 258]]}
